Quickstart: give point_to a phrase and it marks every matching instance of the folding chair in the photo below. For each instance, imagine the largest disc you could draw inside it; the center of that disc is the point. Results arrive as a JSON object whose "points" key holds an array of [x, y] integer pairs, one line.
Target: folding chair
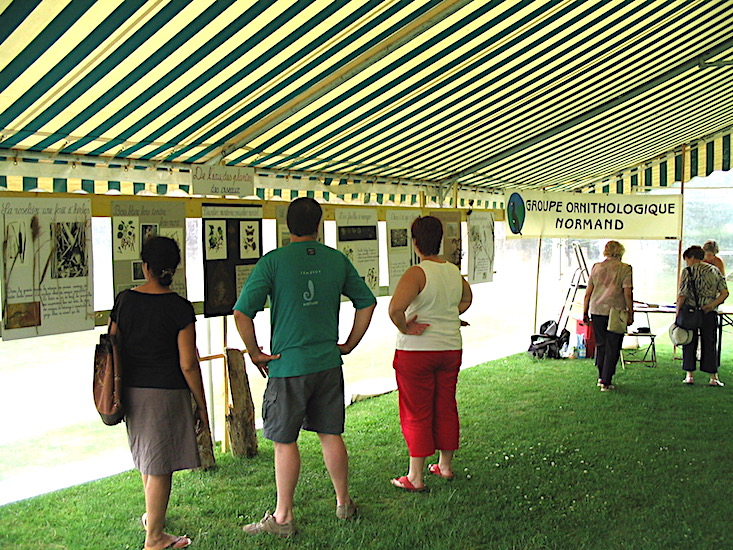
{"points": [[645, 353]]}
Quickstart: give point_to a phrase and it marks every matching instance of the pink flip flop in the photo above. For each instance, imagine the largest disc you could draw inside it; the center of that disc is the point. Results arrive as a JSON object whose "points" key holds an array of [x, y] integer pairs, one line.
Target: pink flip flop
{"points": [[405, 484], [435, 470]]}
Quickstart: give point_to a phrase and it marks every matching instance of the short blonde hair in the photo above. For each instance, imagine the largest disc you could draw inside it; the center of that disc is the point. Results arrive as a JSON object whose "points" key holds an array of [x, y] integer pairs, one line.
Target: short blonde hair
{"points": [[711, 246], [614, 249]]}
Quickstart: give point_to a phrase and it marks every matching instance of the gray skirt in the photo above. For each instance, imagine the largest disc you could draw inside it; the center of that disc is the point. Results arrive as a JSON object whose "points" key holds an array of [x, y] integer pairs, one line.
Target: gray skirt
{"points": [[160, 430]]}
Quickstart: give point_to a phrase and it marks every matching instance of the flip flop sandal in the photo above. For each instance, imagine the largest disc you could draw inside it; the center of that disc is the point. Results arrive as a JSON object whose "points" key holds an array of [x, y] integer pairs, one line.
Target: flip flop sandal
{"points": [[179, 542], [144, 521], [435, 470], [406, 485]]}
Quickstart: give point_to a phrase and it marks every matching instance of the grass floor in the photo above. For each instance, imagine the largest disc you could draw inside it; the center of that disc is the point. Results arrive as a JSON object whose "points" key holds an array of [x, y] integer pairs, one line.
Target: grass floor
{"points": [[546, 461]]}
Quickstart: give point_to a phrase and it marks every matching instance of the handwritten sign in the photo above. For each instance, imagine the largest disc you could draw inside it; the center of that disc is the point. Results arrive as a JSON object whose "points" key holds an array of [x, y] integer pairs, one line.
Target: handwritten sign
{"points": [[223, 180]]}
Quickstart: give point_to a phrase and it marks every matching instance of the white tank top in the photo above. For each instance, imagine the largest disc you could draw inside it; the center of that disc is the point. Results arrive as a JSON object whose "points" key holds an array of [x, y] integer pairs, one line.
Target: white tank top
{"points": [[436, 305]]}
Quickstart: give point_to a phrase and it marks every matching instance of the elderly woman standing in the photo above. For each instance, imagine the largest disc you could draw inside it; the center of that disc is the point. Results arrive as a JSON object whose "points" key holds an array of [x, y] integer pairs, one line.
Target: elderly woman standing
{"points": [[425, 308], [711, 250], [711, 290], [610, 285], [157, 341]]}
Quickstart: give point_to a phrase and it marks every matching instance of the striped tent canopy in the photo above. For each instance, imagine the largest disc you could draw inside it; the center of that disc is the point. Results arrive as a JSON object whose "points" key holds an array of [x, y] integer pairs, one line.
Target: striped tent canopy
{"points": [[590, 95]]}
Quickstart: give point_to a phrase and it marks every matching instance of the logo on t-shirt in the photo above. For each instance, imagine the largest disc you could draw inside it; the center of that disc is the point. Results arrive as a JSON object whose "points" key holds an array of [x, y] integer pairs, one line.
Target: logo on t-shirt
{"points": [[309, 294], [310, 251]]}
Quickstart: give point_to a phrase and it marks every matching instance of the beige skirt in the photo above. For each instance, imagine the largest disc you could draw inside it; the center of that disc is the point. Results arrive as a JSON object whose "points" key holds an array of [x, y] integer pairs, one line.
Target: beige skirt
{"points": [[160, 430]]}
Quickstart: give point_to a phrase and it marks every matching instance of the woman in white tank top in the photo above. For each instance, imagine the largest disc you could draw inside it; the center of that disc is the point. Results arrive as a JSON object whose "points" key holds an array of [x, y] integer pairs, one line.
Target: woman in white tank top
{"points": [[425, 308]]}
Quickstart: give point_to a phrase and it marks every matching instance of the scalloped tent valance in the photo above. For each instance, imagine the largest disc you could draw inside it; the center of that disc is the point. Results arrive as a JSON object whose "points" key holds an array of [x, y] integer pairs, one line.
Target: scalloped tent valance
{"points": [[474, 95]]}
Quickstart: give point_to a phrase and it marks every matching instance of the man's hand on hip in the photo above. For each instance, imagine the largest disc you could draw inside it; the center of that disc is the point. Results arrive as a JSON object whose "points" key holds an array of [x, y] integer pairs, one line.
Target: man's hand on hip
{"points": [[261, 360]]}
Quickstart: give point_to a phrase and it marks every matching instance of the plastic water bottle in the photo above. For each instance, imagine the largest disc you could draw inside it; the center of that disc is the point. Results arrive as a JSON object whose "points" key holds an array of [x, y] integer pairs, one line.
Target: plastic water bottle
{"points": [[564, 351], [581, 347]]}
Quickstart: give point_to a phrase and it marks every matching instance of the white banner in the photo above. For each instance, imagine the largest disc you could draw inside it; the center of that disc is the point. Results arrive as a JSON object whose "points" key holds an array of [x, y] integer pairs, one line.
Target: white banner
{"points": [[46, 266], [480, 247], [223, 180], [97, 173], [591, 216], [400, 255]]}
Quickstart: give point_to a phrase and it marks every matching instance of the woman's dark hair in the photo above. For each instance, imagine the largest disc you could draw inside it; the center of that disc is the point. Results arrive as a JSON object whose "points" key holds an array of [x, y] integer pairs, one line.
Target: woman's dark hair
{"points": [[694, 252], [428, 234], [304, 215], [162, 256]]}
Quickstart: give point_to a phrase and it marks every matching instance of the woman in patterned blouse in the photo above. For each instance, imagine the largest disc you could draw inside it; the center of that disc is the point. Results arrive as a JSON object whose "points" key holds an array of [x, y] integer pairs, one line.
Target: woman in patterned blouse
{"points": [[711, 291]]}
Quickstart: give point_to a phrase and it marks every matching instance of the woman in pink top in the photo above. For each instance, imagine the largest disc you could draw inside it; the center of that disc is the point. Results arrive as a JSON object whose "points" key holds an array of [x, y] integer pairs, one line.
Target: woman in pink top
{"points": [[425, 308], [610, 285], [711, 250]]}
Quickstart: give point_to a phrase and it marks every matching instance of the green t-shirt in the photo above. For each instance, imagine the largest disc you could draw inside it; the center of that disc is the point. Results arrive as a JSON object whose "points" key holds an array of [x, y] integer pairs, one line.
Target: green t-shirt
{"points": [[305, 281]]}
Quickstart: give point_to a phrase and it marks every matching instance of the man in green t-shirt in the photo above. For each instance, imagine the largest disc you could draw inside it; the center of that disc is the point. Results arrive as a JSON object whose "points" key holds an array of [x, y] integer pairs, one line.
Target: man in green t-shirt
{"points": [[304, 281]]}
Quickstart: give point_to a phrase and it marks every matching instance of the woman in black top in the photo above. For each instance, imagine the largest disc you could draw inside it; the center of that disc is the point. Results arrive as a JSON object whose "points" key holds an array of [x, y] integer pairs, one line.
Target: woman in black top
{"points": [[157, 342]]}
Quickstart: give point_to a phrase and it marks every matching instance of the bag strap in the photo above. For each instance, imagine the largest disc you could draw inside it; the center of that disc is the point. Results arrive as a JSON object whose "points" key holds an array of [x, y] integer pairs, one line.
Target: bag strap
{"points": [[114, 338], [620, 276], [692, 285]]}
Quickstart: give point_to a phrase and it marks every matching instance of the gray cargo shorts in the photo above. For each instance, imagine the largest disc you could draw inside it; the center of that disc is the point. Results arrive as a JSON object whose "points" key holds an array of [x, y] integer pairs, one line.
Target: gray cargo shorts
{"points": [[313, 402]]}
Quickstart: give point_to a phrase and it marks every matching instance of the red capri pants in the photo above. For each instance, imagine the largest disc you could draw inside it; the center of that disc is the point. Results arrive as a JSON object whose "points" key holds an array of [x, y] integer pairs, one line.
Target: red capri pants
{"points": [[428, 412]]}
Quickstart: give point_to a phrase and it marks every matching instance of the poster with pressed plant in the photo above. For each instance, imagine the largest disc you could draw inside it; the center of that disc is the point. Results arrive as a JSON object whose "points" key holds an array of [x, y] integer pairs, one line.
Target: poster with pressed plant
{"points": [[46, 266], [232, 244], [135, 221]]}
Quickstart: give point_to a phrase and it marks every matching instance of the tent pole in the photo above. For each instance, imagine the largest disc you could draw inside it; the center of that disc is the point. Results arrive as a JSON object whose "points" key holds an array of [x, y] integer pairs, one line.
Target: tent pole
{"points": [[682, 215], [537, 283]]}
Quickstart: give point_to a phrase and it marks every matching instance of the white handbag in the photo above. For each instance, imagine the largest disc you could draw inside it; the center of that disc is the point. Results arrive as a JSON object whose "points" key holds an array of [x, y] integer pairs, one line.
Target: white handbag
{"points": [[617, 320]]}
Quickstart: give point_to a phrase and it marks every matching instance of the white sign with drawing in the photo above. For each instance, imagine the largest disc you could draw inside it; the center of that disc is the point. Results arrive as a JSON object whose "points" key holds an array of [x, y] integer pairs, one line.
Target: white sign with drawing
{"points": [[480, 247], [356, 230], [400, 254], [133, 222], [46, 267]]}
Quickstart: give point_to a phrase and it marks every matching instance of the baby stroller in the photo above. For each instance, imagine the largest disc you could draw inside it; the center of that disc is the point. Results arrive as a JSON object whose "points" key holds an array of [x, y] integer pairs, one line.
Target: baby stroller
{"points": [[548, 343]]}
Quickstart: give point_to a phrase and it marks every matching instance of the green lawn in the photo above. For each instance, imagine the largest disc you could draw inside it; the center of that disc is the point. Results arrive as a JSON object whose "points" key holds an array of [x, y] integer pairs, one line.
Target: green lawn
{"points": [[547, 461]]}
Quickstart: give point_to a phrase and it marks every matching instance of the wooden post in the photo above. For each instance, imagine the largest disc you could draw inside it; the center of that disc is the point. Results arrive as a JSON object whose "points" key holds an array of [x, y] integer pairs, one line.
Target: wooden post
{"points": [[205, 443], [240, 420]]}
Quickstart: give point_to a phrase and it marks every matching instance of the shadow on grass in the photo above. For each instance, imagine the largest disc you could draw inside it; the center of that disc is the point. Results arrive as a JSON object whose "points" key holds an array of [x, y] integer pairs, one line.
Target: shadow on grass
{"points": [[546, 461]]}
